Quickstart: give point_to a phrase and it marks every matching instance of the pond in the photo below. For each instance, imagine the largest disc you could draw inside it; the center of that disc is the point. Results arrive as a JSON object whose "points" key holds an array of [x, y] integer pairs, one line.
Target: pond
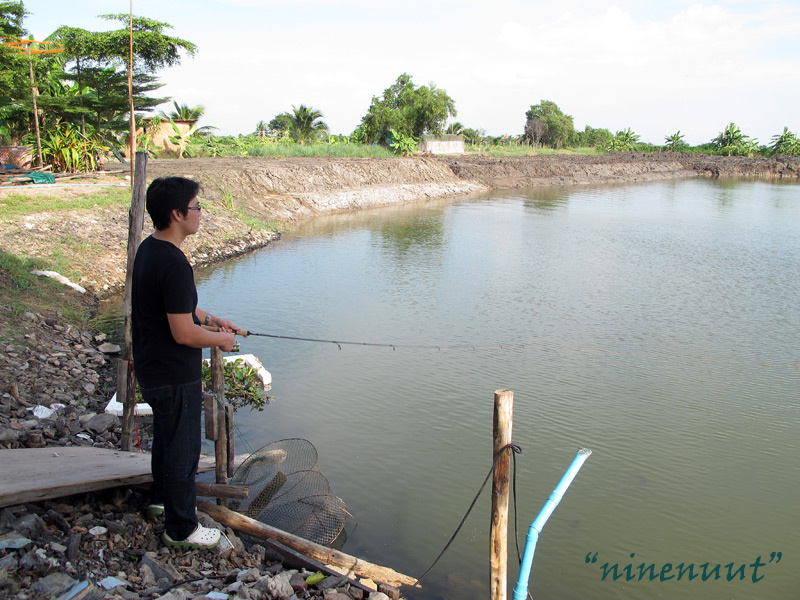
{"points": [[660, 326]]}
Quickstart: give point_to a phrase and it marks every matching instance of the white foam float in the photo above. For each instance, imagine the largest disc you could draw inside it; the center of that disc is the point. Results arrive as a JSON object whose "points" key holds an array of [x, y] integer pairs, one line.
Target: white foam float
{"points": [[115, 407]]}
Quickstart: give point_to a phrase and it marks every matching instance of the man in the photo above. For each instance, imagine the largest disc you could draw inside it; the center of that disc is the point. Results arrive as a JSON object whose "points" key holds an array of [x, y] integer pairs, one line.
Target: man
{"points": [[167, 353]]}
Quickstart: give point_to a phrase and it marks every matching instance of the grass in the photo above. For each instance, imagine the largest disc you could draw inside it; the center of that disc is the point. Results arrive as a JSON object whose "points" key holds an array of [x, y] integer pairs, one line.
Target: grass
{"points": [[316, 150], [21, 291], [519, 150], [16, 204]]}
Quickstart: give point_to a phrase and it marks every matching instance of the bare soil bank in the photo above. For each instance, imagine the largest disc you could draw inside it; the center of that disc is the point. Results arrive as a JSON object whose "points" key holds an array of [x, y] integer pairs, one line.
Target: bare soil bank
{"points": [[287, 190], [291, 189], [516, 172]]}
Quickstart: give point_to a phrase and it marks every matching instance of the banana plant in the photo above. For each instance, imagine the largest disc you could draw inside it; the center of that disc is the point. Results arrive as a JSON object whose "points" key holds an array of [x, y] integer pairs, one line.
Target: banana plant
{"points": [[181, 139], [675, 141], [786, 143]]}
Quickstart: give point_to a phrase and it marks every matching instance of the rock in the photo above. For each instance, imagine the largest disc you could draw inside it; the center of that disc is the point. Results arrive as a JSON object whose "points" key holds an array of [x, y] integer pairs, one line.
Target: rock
{"points": [[54, 518], [53, 585], [275, 587], [30, 526], [160, 570], [101, 423], [109, 348], [8, 435]]}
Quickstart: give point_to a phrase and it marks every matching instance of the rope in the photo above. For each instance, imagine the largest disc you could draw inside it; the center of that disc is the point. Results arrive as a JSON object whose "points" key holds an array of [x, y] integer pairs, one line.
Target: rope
{"points": [[236, 429], [474, 347], [516, 450]]}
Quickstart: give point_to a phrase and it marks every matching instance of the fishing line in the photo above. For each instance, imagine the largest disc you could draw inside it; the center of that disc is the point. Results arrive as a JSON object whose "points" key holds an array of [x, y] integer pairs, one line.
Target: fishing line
{"points": [[475, 347]]}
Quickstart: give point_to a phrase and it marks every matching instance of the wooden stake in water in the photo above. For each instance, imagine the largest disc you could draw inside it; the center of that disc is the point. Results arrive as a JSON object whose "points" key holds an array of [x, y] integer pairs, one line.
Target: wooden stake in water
{"points": [[221, 441], [503, 419]]}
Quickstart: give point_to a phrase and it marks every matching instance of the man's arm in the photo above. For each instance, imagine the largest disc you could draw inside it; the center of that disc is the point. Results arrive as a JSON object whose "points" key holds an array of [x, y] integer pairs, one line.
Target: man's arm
{"points": [[185, 332], [206, 318]]}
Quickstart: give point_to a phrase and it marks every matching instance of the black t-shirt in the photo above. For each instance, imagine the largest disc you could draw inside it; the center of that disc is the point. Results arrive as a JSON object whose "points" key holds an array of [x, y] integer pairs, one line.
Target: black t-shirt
{"points": [[163, 282]]}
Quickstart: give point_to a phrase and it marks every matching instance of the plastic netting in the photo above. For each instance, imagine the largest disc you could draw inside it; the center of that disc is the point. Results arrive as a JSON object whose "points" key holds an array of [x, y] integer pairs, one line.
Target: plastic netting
{"points": [[289, 492]]}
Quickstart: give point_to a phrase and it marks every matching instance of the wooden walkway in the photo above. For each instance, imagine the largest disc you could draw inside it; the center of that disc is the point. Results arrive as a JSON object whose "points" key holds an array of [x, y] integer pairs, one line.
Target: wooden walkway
{"points": [[33, 474]]}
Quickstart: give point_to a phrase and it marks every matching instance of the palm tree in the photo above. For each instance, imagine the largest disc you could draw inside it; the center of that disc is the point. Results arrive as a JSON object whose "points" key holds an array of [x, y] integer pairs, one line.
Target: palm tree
{"points": [[307, 124], [184, 112], [454, 128]]}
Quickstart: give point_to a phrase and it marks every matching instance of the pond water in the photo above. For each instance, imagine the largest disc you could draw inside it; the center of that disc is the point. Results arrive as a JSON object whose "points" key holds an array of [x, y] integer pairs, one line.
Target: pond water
{"points": [[660, 324]]}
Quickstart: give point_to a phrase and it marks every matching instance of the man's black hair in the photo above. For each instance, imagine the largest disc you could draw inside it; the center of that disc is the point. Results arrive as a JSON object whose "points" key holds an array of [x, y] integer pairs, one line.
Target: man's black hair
{"points": [[166, 194]]}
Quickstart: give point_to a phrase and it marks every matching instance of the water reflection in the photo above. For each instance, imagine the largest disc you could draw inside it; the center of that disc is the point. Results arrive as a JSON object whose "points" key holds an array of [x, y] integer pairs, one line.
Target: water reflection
{"points": [[423, 231]]}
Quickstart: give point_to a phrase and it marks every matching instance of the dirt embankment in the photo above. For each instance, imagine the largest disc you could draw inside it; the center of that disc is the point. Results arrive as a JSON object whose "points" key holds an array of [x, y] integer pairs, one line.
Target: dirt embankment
{"points": [[291, 189], [532, 171], [286, 190]]}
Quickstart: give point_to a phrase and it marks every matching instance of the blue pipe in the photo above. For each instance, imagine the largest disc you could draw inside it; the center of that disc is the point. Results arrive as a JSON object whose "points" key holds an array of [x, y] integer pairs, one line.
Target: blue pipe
{"points": [[521, 589]]}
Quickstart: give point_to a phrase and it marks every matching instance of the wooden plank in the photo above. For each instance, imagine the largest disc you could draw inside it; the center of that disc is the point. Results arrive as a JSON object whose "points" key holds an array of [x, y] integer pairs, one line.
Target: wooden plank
{"points": [[34, 474]]}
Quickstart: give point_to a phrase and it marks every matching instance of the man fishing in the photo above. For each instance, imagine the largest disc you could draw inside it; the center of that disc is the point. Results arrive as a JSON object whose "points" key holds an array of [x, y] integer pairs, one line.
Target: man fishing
{"points": [[167, 351]]}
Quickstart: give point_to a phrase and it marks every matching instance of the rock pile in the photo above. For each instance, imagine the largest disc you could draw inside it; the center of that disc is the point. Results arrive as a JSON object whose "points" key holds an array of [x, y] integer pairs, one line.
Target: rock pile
{"points": [[54, 385], [55, 381], [96, 546]]}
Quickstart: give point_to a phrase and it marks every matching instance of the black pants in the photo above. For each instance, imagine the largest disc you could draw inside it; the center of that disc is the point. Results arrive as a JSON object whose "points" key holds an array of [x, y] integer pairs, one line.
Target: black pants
{"points": [[176, 451]]}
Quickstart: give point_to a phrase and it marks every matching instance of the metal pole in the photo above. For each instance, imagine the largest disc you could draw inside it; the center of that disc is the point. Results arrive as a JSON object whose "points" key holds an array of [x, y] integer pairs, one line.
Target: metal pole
{"points": [[521, 589]]}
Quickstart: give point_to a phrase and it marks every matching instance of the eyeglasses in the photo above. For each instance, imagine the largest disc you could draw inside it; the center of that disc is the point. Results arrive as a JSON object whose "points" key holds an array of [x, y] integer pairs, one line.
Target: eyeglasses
{"points": [[198, 207]]}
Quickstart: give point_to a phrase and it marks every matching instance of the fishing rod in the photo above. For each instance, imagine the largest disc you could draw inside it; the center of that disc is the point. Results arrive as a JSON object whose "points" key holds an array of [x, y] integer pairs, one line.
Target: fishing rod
{"points": [[340, 343], [248, 333]]}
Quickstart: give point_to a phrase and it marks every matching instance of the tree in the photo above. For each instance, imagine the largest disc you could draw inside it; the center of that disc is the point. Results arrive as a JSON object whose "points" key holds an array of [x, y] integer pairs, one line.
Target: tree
{"points": [[184, 112], [12, 14], [732, 141], [473, 136], [261, 129], [786, 143], [97, 63], [281, 122], [675, 141], [623, 141], [409, 110], [454, 128], [593, 138], [307, 124], [548, 126]]}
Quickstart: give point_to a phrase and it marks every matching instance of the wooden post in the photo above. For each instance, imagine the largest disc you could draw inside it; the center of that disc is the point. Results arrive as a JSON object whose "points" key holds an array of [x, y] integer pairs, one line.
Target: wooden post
{"points": [[125, 374], [231, 439], [503, 419], [221, 441]]}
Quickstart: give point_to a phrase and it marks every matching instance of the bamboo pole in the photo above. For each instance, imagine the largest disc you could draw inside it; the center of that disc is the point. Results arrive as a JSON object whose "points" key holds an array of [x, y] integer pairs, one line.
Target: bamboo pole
{"points": [[125, 373], [34, 93], [503, 419], [323, 554], [130, 96]]}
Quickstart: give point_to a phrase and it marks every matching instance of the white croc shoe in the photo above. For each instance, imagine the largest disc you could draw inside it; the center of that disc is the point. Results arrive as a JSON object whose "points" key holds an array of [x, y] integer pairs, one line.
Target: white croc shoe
{"points": [[201, 537]]}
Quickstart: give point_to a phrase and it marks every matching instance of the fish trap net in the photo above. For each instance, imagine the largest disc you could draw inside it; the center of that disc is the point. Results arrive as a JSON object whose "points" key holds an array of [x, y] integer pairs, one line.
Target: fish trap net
{"points": [[289, 492]]}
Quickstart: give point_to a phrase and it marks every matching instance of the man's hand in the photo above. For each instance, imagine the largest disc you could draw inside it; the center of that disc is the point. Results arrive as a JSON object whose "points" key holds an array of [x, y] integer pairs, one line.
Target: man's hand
{"points": [[229, 344]]}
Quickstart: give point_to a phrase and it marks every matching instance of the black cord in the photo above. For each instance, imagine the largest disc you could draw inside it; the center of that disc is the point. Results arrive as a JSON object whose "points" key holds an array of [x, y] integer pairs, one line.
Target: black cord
{"points": [[515, 450]]}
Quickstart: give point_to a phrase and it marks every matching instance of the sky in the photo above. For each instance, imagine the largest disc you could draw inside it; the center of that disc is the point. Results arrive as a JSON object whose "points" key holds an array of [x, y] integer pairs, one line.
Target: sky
{"points": [[654, 66]]}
